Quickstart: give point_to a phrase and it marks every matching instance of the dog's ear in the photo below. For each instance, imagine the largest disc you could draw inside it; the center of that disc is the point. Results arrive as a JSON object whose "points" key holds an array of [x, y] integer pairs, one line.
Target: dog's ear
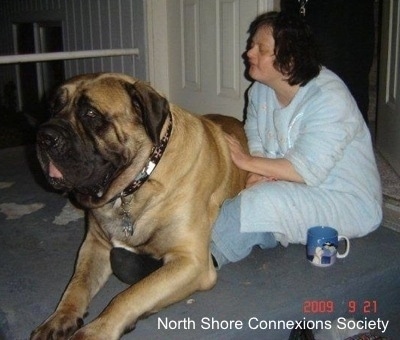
{"points": [[153, 108], [58, 100]]}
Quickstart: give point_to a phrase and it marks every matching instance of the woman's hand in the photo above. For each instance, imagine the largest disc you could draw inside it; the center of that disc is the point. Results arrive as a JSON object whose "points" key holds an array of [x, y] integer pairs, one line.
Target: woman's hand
{"points": [[238, 155], [253, 178]]}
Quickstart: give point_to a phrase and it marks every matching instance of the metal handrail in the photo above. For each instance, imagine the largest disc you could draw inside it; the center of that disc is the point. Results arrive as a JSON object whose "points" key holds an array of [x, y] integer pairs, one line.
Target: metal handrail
{"points": [[39, 57]]}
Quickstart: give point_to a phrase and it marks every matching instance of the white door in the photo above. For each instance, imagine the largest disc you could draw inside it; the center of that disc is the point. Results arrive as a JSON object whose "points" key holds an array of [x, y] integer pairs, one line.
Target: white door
{"points": [[196, 51], [388, 116]]}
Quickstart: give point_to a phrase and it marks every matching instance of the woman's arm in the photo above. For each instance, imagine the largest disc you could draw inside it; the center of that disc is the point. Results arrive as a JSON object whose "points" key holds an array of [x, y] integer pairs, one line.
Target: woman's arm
{"points": [[270, 169]]}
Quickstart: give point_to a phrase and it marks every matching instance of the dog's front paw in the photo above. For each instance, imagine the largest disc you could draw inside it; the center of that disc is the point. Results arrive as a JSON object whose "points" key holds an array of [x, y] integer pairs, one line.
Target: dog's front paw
{"points": [[58, 326], [84, 334], [92, 332]]}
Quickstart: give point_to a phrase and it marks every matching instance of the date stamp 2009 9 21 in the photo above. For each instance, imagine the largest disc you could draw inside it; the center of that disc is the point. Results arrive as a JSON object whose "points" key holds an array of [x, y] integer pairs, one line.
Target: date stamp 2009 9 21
{"points": [[328, 306]]}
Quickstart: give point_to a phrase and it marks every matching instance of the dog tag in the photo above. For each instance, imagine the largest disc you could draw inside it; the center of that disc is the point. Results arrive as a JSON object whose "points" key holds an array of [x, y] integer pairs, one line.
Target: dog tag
{"points": [[127, 225]]}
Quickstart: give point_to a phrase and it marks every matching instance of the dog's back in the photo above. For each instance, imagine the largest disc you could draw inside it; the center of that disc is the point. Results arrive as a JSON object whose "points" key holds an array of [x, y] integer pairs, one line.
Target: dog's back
{"points": [[235, 127]]}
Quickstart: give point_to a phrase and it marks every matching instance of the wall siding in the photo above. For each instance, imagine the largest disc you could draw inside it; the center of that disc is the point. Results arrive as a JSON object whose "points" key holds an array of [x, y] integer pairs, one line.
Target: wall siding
{"points": [[87, 25]]}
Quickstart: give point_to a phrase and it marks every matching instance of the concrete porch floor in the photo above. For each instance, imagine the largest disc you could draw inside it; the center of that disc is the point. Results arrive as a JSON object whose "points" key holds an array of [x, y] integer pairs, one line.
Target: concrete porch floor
{"points": [[40, 234]]}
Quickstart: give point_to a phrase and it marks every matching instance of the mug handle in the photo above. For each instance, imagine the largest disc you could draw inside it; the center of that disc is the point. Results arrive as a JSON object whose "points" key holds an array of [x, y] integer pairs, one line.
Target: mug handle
{"points": [[340, 256]]}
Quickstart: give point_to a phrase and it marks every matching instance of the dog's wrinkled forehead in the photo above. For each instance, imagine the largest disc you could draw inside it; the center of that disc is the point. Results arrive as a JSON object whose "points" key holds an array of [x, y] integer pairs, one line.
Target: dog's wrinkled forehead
{"points": [[107, 92]]}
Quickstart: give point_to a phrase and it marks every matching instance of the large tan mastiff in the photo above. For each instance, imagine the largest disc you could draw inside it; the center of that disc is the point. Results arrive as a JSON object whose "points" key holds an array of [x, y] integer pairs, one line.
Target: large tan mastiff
{"points": [[152, 177]]}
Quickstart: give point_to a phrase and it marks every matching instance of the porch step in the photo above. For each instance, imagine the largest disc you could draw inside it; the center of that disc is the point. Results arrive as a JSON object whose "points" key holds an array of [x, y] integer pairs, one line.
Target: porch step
{"points": [[391, 213]]}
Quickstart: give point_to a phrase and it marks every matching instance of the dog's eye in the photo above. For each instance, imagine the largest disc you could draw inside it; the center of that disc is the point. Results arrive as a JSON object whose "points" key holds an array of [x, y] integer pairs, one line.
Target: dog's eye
{"points": [[90, 113]]}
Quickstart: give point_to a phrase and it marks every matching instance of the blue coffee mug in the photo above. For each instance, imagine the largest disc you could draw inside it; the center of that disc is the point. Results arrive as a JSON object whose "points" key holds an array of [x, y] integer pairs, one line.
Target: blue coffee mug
{"points": [[322, 245]]}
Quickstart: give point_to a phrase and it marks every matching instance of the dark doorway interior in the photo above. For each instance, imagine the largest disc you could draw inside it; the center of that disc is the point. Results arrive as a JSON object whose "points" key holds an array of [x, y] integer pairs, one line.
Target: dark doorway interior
{"points": [[35, 82], [37, 79]]}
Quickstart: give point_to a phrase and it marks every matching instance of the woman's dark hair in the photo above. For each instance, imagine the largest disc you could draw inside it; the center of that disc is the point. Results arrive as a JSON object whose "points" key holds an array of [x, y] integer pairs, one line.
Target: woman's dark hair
{"points": [[296, 52]]}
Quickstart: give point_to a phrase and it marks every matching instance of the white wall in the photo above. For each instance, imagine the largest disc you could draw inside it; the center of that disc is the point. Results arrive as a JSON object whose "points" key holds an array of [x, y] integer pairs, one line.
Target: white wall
{"points": [[102, 24]]}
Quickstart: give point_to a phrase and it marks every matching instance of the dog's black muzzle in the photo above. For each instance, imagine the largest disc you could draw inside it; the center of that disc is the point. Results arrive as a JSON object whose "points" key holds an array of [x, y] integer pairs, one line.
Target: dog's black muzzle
{"points": [[71, 162], [55, 139]]}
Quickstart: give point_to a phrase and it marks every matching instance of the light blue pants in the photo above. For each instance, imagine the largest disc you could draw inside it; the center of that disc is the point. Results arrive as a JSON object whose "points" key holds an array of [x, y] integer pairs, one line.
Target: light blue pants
{"points": [[228, 243]]}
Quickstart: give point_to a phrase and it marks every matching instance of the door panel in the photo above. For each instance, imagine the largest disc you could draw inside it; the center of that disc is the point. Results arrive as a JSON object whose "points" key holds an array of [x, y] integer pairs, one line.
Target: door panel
{"points": [[206, 40]]}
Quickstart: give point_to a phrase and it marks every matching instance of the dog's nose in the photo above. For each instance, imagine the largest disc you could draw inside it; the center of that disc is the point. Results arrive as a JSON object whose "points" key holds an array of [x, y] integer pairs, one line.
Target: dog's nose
{"points": [[48, 138]]}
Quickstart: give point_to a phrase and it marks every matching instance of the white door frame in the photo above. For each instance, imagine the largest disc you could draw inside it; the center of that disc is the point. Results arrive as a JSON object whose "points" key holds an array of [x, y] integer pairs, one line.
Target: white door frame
{"points": [[388, 116], [157, 45], [157, 40]]}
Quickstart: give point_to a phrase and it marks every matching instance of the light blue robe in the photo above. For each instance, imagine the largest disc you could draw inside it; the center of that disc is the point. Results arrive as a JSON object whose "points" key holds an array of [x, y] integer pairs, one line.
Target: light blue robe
{"points": [[323, 134]]}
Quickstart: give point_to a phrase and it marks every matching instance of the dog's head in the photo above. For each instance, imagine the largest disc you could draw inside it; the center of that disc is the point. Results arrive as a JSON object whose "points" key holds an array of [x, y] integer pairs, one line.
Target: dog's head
{"points": [[101, 125]]}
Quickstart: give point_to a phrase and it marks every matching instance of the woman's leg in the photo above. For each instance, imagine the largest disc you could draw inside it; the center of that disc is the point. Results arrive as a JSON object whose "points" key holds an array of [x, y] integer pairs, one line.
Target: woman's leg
{"points": [[228, 243]]}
